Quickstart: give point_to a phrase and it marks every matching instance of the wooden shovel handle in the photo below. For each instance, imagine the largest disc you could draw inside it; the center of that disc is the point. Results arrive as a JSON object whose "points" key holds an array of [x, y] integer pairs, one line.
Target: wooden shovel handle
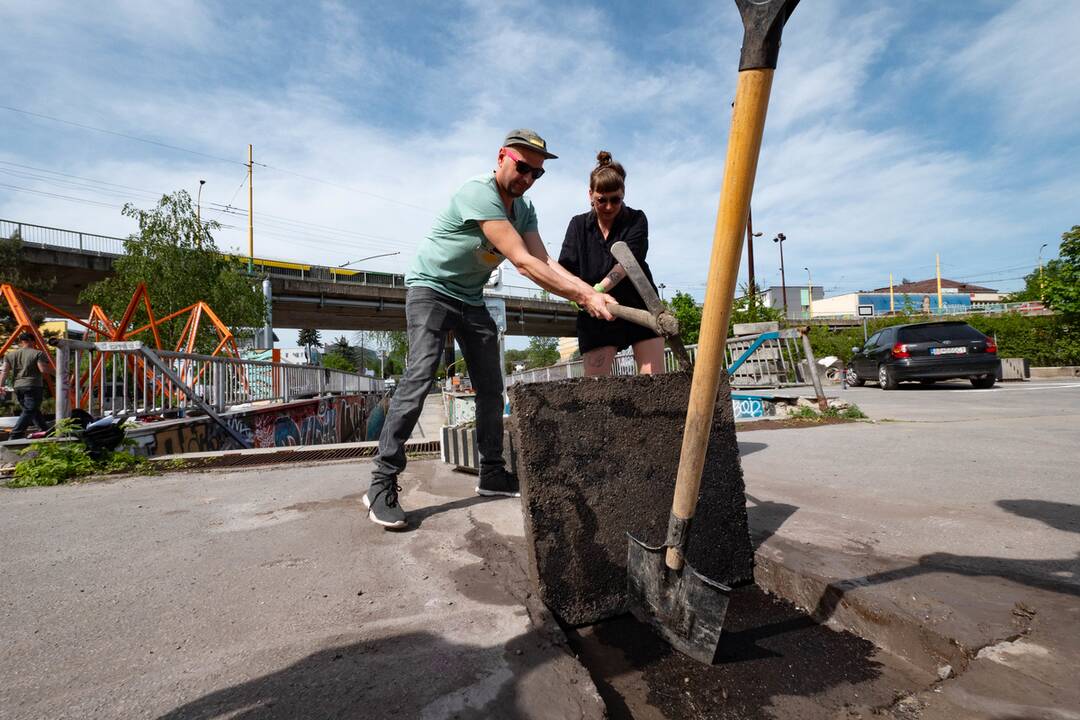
{"points": [[744, 143]]}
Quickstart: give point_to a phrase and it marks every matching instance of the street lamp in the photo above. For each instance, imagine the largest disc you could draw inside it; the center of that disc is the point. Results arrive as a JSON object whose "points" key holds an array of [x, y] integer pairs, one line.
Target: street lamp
{"points": [[369, 257], [783, 283], [1042, 288], [809, 293], [198, 212]]}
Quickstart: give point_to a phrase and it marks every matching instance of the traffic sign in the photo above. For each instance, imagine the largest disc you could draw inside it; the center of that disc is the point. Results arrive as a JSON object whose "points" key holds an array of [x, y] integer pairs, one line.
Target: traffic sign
{"points": [[866, 311]]}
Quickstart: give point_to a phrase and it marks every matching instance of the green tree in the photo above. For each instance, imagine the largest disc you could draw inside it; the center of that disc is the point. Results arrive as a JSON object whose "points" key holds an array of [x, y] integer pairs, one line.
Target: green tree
{"points": [[309, 338], [1061, 287], [688, 313], [514, 356], [181, 265], [750, 308], [341, 348], [336, 361], [395, 343], [542, 351]]}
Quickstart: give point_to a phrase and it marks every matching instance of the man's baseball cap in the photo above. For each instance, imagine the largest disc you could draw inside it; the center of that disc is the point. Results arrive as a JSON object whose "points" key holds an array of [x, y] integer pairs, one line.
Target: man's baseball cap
{"points": [[529, 139]]}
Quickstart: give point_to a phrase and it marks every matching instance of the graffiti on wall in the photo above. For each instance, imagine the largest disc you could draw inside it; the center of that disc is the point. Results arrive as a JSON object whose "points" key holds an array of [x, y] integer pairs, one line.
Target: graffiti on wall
{"points": [[309, 422]]}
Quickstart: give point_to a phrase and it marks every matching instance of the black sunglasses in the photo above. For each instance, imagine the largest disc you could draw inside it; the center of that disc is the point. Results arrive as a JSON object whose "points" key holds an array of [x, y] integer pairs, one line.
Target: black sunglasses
{"points": [[613, 200], [525, 168]]}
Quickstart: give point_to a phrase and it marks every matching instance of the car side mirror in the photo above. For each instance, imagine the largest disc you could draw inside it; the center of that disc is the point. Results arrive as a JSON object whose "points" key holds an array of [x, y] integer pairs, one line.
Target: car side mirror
{"points": [[855, 349]]}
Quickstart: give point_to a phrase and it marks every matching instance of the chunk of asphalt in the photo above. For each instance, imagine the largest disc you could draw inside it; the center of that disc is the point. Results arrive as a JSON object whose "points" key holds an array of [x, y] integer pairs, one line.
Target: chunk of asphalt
{"points": [[597, 458]]}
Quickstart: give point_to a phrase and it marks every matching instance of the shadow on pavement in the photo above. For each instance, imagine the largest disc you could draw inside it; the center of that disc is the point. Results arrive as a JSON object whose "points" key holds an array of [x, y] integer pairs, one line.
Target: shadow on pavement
{"points": [[1063, 516], [765, 517], [747, 448], [1058, 575], [393, 677], [415, 518]]}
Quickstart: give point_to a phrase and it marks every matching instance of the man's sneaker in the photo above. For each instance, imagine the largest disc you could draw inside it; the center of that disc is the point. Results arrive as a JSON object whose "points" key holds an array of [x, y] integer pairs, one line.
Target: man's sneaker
{"points": [[381, 500], [498, 482]]}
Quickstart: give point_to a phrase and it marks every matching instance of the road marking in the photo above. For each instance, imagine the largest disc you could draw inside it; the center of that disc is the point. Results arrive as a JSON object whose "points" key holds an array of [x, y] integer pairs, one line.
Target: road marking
{"points": [[1014, 388]]}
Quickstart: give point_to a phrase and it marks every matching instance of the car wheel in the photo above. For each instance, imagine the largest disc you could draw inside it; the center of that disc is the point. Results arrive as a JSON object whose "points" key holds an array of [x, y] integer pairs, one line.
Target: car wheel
{"points": [[983, 381], [853, 378], [885, 377]]}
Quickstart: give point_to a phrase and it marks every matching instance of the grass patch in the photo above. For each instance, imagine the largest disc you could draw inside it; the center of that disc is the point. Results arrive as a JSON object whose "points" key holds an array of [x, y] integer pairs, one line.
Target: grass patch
{"points": [[54, 463], [803, 412], [849, 413]]}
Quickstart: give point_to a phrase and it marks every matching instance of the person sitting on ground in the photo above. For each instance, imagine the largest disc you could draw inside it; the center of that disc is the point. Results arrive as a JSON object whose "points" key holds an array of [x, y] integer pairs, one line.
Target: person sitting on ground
{"points": [[489, 220], [28, 365], [586, 252]]}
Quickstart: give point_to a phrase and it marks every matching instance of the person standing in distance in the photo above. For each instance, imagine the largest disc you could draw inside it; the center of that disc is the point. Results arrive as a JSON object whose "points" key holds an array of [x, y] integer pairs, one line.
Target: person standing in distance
{"points": [[488, 220], [586, 252], [29, 366]]}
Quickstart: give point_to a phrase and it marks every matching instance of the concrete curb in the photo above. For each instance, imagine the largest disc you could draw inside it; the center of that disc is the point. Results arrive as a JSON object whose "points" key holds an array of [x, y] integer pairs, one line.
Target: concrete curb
{"points": [[1064, 371], [842, 605]]}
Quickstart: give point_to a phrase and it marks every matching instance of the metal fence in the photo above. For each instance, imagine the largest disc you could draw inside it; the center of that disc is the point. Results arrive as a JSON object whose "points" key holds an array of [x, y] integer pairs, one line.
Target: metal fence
{"points": [[112, 378], [772, 359], [55, 237]]}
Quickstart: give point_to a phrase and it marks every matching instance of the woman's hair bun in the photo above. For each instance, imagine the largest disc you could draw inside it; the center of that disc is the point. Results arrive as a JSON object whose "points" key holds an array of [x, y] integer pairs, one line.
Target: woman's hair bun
{"points": [[603, 158]]}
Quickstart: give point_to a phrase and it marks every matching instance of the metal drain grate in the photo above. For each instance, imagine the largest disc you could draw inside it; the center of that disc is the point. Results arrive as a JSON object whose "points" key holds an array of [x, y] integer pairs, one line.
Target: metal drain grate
{"points": [[241, 459]]}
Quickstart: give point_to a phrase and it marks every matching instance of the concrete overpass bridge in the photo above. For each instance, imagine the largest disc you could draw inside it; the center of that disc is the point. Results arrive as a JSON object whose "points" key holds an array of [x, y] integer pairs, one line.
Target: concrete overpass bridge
{"points": [[304, 295]]}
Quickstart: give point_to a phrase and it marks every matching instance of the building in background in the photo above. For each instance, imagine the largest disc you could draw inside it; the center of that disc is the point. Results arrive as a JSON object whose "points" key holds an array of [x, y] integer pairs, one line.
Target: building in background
{"points": [[567, 347], [916, 297], [798, 299]]}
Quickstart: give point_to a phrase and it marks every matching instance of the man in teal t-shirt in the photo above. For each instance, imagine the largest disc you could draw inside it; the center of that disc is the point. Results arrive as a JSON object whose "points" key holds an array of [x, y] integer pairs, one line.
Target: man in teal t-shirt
{"points": [[489, 220]]}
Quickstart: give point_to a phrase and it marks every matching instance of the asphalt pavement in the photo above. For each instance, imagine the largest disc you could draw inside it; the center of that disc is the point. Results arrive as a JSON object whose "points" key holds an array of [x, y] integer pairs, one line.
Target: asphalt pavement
{"points": [[946, 531], [268, 594]]}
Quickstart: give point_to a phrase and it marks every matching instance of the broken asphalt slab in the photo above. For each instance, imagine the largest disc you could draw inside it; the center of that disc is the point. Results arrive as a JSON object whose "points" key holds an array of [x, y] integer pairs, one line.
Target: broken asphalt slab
{"points": [[597, 459]]}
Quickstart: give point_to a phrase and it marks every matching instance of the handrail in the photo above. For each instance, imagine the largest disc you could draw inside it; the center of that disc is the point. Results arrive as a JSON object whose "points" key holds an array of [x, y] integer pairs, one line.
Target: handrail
{"points": [[130, 378]]}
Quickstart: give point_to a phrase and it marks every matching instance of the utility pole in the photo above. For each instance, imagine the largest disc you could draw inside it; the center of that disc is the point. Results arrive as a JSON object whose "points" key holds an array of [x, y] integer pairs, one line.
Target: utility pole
{"points": [[251, 214], [750, 235], [783, 283], [937, 259], [892, 303], [198, 213], [809, 293], [1042, 286]]}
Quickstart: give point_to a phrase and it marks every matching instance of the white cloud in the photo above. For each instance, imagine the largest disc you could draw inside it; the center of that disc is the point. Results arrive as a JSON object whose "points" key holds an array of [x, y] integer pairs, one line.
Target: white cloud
{"points": [[1024, 62]]}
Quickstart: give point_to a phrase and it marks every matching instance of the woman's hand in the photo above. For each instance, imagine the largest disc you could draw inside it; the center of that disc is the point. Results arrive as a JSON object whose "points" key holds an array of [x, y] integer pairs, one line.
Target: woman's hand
{"points": [[596, 305]]}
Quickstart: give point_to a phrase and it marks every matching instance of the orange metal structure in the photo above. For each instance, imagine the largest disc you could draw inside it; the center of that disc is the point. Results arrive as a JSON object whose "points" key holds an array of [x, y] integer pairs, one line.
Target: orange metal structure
{"points": [[104, 329]]}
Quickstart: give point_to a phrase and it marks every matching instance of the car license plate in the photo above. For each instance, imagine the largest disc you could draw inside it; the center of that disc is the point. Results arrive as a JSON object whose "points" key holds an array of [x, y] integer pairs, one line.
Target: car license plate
{"points": [[949, 351]]}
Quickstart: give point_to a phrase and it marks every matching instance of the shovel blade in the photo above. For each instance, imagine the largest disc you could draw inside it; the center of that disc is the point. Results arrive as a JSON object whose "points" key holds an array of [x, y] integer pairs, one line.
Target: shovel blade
{"points": [[686, 607]]}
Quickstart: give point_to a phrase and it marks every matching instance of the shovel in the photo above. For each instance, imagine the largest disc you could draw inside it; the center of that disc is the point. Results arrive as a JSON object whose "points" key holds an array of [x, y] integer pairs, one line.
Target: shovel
{"points": [[687, 608]]}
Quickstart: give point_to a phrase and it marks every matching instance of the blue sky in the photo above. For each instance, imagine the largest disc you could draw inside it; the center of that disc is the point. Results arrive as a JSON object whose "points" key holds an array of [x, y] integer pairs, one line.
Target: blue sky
{"points": [[896, 130]]}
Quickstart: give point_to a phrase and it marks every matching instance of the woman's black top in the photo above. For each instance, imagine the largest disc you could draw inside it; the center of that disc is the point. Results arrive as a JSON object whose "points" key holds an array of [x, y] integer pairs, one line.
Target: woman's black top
{"points": [[587, 254]]}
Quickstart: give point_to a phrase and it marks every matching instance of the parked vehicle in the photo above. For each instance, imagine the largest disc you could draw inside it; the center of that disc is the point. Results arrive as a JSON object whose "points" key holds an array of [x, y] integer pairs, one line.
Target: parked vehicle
{"points": [[926, 352]]}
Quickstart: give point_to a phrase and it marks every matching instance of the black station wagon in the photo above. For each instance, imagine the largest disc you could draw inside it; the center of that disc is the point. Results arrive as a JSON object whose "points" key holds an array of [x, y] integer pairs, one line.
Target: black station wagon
{"points": [[926, 352]]}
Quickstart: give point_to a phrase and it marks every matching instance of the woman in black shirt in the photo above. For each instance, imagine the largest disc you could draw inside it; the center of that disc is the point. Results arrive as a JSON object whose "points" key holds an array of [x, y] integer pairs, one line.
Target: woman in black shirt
{"points": [[586, 252]]}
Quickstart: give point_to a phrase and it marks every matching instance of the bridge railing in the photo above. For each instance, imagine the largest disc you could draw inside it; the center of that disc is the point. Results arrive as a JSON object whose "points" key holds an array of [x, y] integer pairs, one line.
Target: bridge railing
{"points": [[112, 378], [57, 237], [44, 236]]}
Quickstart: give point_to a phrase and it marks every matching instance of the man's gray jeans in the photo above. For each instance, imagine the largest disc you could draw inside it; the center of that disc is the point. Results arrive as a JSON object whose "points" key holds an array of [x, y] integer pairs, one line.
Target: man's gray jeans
{"points": [[430, 315]]}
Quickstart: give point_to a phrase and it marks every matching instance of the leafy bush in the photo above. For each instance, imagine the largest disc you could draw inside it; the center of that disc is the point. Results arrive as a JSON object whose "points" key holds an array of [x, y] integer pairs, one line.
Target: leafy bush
{"points": [[56, 462], [1042, 339]]}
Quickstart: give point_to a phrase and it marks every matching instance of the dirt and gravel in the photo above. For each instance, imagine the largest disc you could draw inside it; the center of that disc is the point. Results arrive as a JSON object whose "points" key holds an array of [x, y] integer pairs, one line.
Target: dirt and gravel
{"points": [[597, 459]]}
